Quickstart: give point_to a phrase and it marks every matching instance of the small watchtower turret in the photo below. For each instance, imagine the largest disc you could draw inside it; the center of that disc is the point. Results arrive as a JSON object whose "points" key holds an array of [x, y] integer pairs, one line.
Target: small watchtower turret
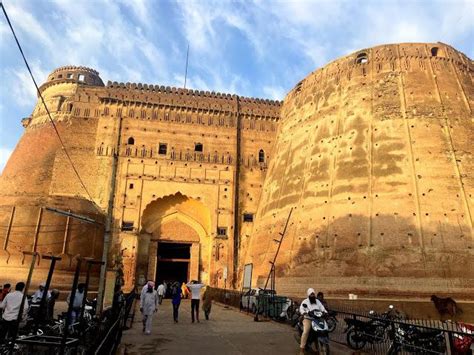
{"points": [[73, 74]]}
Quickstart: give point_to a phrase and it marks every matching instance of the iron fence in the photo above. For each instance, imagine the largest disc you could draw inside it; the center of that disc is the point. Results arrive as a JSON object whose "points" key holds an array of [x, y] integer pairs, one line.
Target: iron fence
{"points": [[358, 329], [99, 335]]}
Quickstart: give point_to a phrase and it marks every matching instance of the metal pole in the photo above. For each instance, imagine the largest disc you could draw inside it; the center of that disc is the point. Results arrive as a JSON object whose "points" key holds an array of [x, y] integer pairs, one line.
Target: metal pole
{"points": [[7, 235], [39, 315], [237, 195], [279, 246], [37, 229], [73, 215], [23, 299], [89, 262], [71, 302], [109, 221]]}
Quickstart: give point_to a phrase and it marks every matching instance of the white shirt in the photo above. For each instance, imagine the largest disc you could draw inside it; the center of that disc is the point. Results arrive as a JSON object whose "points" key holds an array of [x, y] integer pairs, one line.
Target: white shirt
{"points": [[195, 290], [78, 298], [38, 295], [161, 290], [311, 306], [11, 306]]}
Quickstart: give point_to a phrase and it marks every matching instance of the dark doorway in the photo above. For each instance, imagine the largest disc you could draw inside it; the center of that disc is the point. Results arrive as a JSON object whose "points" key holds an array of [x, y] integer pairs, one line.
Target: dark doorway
{"points": [[173, 262], [172, 271]]}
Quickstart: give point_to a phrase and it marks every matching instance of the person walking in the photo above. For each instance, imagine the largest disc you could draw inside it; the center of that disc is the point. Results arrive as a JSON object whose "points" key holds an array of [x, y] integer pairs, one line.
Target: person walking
{"points": [[148, 306], [176, 295], [11, 309], [206, 303], [195, 288], [184, 290], [161, 292]]}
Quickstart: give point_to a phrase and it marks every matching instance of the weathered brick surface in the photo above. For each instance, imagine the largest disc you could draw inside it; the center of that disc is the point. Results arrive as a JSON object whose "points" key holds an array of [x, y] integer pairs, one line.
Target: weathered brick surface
{"points": [[374, 152], [375, 155]]}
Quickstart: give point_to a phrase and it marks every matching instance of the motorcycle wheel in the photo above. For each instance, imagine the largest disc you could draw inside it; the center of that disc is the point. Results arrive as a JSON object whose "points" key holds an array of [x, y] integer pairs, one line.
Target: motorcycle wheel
{"points": [[323, 349], [332, 324], [393, 350], [355, 339]]}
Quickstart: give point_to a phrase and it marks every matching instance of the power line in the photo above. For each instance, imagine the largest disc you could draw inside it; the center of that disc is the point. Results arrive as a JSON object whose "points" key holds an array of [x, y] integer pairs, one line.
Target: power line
{"points": [[47, 110]]}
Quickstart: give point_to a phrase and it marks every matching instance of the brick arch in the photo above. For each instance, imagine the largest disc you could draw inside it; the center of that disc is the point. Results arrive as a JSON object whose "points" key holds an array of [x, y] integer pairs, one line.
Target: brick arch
{"points": [[177, 226], [177, 206]]}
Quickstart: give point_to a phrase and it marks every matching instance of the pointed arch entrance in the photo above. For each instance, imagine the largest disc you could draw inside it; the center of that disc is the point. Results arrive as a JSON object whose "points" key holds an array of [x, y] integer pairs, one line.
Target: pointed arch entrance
{"points": [[178, 228]]}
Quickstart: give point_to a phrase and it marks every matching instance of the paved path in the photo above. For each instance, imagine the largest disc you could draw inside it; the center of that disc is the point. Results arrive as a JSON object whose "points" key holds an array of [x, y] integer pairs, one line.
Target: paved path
{"points": [[227, 332]]}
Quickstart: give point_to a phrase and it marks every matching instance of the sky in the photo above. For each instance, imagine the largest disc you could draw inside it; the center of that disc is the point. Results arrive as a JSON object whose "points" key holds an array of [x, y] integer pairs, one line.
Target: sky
{"points": [[251, 48]]}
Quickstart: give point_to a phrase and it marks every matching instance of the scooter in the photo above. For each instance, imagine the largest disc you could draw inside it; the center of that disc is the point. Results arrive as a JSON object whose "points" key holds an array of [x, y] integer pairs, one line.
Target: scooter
{"points": [[318, 338]]}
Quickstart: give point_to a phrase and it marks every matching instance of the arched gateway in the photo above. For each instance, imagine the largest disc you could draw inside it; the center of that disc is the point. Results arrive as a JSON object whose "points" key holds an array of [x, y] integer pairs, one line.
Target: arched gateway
{"points": [[175, 234]]}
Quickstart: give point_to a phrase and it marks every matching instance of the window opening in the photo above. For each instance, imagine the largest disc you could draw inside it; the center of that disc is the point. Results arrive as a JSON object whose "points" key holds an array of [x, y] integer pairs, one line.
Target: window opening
{"points": [[70, 75], [362, 58], [131, 141], [127, 226], [248, 217], [221, 231], [198, 147], [162, 148], [261, 156], [81, 77], [130, 186], [434, 51]]}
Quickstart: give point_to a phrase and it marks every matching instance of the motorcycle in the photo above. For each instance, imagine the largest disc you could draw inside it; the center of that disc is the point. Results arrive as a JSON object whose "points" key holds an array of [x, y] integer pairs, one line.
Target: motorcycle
{"points": [[318, 338], [331, 320], [410, 338], [372, 331], [462, 342]]}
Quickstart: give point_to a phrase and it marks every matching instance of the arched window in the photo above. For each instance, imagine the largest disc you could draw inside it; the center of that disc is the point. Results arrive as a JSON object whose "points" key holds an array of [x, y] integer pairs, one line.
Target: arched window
{"points": [[261, 156], [131, 141], [434, 51], [362, 58]]}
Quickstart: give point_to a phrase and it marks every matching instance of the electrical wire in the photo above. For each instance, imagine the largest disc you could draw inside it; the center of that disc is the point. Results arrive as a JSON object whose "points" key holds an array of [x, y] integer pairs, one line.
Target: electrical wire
{"points": [[47, 110]]}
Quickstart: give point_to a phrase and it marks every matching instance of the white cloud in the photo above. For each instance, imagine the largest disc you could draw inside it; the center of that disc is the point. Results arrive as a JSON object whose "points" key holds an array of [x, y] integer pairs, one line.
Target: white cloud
{"points": [[274, 92], [22, 86], [24, 23], [4, 156]]}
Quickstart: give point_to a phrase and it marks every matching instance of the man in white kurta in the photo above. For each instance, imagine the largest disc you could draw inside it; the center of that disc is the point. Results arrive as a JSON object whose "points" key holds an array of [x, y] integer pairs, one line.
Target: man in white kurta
{"points": [[148, 305]]}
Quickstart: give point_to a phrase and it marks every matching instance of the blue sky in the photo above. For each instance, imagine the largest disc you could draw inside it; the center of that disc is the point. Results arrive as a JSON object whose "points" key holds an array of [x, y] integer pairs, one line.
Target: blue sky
{"points": [[253, 48]]}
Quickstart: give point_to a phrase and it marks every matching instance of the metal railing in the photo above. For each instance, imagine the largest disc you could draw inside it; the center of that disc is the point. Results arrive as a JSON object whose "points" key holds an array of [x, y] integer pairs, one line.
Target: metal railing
{"points": [[388, 332], [99, 335]]}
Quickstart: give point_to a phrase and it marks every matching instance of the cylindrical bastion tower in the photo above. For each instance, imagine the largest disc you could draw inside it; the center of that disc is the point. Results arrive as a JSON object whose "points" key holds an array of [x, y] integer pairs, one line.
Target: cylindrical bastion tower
{"points": [[375, 153], [38, 175]]}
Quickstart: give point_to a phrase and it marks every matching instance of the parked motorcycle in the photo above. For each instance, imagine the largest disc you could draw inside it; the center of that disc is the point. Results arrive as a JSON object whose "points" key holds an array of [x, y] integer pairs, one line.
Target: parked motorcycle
{"points": [[318, 338], [410, 338], [372, 331], [462, 342]]}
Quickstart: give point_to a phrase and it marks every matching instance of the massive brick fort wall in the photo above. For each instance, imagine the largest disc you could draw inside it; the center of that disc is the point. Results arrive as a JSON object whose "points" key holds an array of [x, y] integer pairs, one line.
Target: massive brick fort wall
{"points": [[176, 174], [373, 152]]}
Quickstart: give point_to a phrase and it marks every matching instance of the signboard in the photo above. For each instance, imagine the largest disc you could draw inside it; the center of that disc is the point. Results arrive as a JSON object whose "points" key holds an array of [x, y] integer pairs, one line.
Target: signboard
{"points": [[247, 283]]}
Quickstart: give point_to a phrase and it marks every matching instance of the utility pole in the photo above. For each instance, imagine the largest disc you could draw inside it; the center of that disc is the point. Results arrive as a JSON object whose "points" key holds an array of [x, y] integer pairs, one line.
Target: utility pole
{"points": [[237, 195], [109, 220]]}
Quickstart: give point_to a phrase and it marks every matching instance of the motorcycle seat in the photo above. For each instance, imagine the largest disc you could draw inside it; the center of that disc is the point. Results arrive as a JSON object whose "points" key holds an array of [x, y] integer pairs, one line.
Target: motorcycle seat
{"points": [[355, 322]]}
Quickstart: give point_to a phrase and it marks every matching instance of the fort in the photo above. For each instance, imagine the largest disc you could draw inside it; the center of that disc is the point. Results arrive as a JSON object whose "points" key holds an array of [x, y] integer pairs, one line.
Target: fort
{"points": [[373, 152]]}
